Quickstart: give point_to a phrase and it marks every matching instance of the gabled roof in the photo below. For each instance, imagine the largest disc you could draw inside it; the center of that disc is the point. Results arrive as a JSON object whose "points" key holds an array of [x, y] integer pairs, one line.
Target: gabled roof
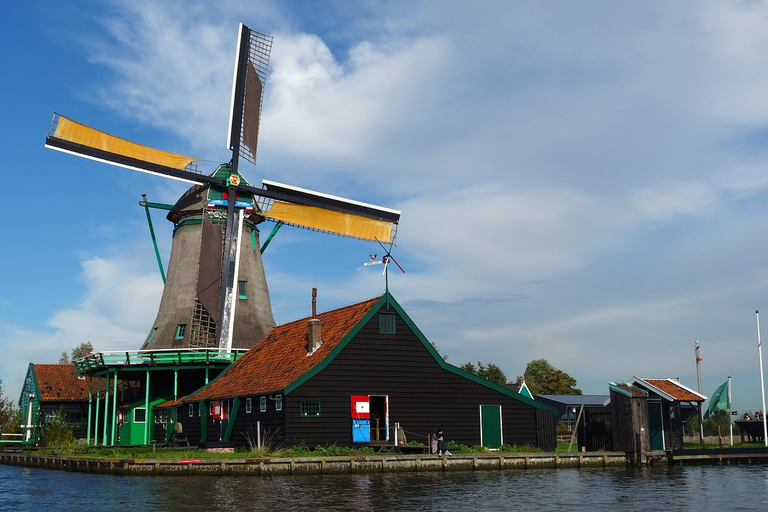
{"points": [[59, 382], [279, 362], [281, 357], [670, 389]]}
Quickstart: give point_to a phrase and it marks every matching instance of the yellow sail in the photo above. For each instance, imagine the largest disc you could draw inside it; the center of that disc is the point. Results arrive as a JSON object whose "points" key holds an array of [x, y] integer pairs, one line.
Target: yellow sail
{"points": [[346, 224], [72, 131]]}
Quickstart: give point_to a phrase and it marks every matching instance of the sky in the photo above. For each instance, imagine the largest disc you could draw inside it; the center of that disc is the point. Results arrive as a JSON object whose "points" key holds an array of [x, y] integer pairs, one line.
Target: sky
{"points": [[583, 182]]}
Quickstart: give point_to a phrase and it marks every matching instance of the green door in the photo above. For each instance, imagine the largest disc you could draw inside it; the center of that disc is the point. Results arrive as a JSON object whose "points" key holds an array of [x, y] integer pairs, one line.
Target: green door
{"points": [[490, 426], [656, 425]]}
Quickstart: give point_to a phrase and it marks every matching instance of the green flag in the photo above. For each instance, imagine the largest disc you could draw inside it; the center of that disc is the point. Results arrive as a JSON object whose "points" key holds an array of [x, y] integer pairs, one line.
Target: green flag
{"points": [[719, 400]]}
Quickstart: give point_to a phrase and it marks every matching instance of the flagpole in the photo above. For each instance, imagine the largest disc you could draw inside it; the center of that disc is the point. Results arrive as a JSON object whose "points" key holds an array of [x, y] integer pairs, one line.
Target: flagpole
{"points": [[762, 382], [730, 413]]}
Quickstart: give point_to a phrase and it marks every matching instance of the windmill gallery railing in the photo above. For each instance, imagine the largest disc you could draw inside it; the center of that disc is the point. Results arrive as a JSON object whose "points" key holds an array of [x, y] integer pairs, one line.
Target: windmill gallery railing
{"points": [[165, 357]]}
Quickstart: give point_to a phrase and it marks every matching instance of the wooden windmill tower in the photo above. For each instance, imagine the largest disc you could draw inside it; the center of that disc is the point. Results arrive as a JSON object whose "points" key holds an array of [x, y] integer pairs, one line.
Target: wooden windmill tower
{"points": [[216, 293]]}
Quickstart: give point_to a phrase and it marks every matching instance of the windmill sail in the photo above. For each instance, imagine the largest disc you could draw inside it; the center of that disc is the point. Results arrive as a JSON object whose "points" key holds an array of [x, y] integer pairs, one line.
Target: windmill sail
{"points": [[215, 233], [76, 138], [252, 62]]}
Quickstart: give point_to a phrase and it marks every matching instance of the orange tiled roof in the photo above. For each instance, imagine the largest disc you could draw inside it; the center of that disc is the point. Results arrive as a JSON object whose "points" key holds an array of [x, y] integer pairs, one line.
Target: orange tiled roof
{"points": [[675, 390], [281, 357], [60, 382], [633, 391]]}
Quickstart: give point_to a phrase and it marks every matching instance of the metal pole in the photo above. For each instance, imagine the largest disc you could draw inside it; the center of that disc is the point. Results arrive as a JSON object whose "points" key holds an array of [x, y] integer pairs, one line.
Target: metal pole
{"points": [[730, 413], [698, 377], [762, 382], [90, 404]]}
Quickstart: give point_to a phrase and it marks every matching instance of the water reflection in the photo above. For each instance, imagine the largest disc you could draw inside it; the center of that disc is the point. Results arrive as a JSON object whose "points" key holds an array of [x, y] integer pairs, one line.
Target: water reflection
{"points": [[659, 488]]}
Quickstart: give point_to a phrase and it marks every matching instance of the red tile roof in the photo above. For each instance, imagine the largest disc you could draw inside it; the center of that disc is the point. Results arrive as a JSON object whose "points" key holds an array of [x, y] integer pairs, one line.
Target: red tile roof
{"points": [[633, 391], [60, 382], [675, 390], [281, 357]]}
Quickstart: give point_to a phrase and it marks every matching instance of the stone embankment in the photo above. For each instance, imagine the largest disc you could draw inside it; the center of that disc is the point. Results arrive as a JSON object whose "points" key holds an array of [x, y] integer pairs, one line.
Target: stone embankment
{"points": [[316, 465]]}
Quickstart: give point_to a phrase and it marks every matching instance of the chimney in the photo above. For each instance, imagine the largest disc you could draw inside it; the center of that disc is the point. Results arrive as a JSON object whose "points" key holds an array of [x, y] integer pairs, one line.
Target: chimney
{"points": [[313, 329]]}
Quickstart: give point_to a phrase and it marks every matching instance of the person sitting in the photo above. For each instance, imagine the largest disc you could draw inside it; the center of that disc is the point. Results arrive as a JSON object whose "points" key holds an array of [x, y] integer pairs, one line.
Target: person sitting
{"points": [[441, 448]]}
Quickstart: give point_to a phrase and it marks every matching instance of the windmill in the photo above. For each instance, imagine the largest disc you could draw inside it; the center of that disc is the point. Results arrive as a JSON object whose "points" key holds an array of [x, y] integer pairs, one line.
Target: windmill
{"points": [[212, 251]]}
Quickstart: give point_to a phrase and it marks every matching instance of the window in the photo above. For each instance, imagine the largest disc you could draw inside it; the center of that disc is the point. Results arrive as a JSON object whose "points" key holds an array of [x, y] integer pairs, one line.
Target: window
{"points": [[139, 415], [151, 335], [263, 404], [191, 410], [180, 331], [279, 402], [248, 406], [242, 289], [309, 409], [387, 323]]}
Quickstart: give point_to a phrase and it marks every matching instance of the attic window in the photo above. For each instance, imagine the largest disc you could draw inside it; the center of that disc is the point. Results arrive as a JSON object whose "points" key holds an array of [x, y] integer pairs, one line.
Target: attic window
{"points": [[242, 289], [180, 330], [387, 323], [151, 335]]}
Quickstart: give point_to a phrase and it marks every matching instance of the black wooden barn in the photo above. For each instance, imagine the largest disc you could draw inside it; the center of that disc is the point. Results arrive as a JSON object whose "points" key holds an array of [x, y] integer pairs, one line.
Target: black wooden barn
{"points": [[347, 377]]}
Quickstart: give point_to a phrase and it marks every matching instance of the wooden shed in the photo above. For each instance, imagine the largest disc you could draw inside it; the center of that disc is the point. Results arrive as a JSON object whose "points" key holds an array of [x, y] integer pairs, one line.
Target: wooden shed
{"points": [[346, 377], [656, 410]]}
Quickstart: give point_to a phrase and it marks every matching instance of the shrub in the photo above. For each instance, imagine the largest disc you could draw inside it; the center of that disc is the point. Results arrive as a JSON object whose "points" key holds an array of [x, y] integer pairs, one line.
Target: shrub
{"points": [[56, 432]]}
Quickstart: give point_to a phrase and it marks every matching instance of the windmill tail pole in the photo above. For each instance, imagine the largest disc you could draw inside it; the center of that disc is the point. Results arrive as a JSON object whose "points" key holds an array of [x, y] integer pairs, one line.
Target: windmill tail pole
{"points": [[154, 240], [762, 382]]}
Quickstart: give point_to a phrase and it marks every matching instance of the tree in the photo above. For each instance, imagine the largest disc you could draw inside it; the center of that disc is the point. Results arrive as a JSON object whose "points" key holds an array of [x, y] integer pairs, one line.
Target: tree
{"points": [[544, 379], [491, 372], [79, 351], [8, 413]]}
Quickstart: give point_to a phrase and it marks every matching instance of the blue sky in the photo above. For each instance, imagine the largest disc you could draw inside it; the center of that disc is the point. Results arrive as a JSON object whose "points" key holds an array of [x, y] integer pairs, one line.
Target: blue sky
{"points": [[582, 182]]}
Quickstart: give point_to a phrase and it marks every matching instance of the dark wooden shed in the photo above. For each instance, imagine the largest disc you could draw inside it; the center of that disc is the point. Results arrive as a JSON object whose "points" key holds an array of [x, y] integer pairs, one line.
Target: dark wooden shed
{"points": [[347, 377]]}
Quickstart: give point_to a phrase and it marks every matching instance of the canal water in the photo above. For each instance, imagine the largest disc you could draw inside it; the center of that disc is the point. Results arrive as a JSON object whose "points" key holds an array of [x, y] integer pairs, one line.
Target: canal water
{"points": [[699, 488]]}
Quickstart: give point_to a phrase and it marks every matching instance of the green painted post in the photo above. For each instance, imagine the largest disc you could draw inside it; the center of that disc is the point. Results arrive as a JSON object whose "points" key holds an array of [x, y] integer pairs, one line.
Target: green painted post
{"points": [[90, 403], [175, 383], [114, 409], [203, 421], [231, 419], [154, 240], [96, 420], [271, 235], [106, 411], [146, 412]]}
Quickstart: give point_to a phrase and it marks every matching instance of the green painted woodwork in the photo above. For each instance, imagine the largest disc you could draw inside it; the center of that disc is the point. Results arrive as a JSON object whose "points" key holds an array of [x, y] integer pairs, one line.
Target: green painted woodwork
{"points": [[203, 422], [490, 418], [231, 419], [154, 240], [133, 433]]}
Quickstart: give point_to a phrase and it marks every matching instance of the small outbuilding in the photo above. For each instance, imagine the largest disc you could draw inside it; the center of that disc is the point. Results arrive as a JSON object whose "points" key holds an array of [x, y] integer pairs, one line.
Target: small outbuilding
{"points": [[650, 414], [347, 377]]}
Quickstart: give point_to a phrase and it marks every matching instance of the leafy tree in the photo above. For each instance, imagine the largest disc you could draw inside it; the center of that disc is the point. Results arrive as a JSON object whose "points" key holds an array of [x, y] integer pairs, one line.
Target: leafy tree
{"points": [[544, 379], [8, 413], [79, 351], [491, 372]]}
